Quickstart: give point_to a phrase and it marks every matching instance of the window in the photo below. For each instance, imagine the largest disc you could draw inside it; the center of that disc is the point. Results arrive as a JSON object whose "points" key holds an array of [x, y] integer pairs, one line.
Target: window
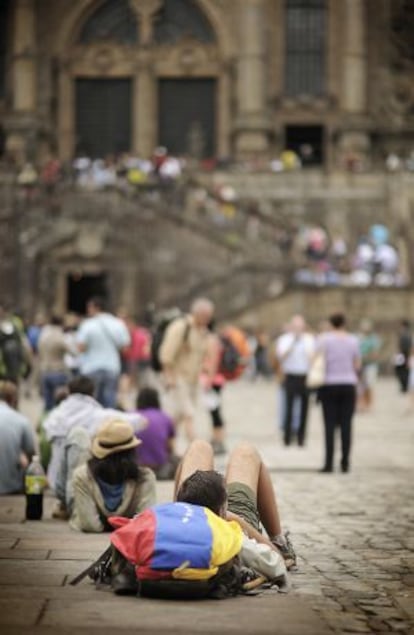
{"points": [[182, 18], [305, 47], [113, 20]]}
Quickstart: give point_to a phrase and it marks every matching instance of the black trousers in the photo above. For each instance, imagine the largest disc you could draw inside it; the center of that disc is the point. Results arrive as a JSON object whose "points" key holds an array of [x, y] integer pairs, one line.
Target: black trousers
{"points": [[295, 387], [338, 406], [402, 373], [215, 414]]}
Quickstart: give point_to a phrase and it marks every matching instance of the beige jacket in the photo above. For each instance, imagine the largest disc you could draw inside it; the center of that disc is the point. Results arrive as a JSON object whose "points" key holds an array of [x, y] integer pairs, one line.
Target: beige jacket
{"points": [[89, 506], [184, 348], [52, 349]]}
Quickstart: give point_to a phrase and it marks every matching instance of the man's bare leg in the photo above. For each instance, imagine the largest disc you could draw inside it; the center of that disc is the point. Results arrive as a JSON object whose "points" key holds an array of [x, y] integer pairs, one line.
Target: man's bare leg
{"points": [[198, 456], [246, 466]]}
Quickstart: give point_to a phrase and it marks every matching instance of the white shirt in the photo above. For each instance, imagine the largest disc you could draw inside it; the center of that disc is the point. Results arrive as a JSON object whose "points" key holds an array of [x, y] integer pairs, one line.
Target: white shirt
{"points": [[301, 349], [103, 335], [263, 559]]}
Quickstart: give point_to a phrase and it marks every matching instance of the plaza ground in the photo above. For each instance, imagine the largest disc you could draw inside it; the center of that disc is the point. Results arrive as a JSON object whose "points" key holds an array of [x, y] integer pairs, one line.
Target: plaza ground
{"points": [[354, 535]]}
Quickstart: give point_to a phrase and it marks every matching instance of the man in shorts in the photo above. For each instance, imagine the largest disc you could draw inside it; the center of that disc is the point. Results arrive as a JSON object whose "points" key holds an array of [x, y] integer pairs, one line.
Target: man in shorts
{"points": [[245, 494], [182, 354]]}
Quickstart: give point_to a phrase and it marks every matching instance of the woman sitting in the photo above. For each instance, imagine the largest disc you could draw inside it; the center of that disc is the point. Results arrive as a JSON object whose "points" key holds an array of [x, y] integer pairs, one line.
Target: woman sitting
{"points": [[111, 483], [157, 438]]}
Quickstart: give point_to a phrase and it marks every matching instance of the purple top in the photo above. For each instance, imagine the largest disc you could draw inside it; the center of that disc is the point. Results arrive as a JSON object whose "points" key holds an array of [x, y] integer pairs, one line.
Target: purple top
{"points": [[341, 351], [153, 452]]}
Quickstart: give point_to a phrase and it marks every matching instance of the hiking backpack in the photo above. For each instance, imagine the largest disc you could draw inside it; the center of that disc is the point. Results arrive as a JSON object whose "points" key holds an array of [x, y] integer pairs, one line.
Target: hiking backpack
{"points": [[234, 354], [11, 351], [230, 357], [164, 321], [175, 551]]}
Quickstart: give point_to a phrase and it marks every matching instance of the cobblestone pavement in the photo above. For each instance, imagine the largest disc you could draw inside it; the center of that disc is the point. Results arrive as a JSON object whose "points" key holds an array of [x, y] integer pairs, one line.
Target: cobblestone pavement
{"points": [[353, 533]]}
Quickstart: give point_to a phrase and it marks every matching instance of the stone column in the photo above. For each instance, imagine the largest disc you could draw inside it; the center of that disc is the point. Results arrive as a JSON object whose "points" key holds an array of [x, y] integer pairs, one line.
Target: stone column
{"points": [[144, 82], [20, 125], [224, 114], [252, 121], [66, 112], [355, 57], [354, 141], [24, 60], [145, 107]]}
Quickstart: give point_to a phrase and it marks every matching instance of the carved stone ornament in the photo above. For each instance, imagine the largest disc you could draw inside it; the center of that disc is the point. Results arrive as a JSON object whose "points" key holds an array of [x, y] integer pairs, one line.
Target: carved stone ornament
{"points": [[146, 8], [104, 58]]}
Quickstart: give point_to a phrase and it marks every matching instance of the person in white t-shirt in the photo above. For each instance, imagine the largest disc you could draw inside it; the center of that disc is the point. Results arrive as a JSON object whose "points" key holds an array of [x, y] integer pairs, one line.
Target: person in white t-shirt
{"points": [[100, 338], [294, 350]]}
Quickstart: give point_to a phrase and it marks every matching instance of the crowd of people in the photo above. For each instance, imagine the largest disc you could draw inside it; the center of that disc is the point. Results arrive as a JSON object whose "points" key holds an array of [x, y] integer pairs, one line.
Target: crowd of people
{"points": [[333, 261], [104, 455]]}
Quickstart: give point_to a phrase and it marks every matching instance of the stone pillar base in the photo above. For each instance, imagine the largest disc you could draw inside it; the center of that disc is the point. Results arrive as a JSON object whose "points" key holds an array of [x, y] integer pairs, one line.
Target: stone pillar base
{"points": [[251, 136], [21, 135], [353, 150]]}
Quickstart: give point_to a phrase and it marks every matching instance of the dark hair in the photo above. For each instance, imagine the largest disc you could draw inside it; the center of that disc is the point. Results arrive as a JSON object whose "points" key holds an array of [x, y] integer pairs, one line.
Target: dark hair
{"points": [[8, 392], [148, 398], [82, 384], [98, 302], [56, 320], [337, 320], [205, 488], [60, 394], [115, 468]]}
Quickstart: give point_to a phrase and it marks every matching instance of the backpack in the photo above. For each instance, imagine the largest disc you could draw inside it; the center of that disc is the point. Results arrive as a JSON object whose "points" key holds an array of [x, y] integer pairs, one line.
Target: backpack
{"points": [[234, 354], [11, 350], [175, 551], [159, 332]]}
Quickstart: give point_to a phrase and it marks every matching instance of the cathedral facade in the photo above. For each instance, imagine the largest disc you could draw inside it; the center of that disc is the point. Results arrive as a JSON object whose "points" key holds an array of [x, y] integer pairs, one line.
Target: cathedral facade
{"points": [[213, 78]]}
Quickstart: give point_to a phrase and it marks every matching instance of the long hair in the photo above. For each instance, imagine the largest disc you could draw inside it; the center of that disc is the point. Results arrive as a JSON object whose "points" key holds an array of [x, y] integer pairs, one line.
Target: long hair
{"points": [[116, 468]]}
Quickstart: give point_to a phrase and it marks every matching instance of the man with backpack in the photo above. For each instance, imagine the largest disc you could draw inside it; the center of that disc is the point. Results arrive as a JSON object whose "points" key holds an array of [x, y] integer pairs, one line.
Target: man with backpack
{"points": [[181, 353], [245, 495]]}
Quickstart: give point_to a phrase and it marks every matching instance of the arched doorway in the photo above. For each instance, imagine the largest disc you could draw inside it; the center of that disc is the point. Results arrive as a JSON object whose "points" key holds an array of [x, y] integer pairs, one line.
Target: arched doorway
{"points": [[158, 65]]}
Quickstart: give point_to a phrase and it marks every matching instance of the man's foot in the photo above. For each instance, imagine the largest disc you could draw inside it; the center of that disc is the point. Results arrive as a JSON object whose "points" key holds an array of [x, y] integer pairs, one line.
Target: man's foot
{"points": [[326, 470], [283, 543]]}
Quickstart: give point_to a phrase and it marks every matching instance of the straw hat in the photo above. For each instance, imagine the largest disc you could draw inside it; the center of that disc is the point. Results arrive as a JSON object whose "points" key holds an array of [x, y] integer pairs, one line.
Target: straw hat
{"points": [[113, 436]]}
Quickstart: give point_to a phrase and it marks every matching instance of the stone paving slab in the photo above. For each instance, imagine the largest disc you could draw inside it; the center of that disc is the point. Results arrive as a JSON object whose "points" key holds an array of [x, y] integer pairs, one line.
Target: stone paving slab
{"points": [[353, 533]]}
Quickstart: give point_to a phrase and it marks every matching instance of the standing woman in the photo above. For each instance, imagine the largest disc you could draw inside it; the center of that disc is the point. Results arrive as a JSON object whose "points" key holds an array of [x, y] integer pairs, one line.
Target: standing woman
{"points": [[338, 394]]}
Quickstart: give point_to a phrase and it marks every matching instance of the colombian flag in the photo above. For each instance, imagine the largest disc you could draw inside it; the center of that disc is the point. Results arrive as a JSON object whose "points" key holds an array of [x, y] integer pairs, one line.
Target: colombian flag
{"points": [[177, 540]]}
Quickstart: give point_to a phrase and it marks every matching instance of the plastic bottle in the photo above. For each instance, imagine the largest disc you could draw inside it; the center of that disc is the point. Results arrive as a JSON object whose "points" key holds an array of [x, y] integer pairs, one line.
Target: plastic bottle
{"points": [[34, 484]]}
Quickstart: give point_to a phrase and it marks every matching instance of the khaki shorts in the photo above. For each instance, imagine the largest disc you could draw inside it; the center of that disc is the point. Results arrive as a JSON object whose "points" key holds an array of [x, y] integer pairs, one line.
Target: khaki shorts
{"points": [[241, 500], [180, 402]]}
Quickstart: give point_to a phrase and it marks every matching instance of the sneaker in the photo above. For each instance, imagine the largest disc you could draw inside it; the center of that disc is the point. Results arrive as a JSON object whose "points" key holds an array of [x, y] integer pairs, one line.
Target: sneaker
{"points": [[283, 543]]}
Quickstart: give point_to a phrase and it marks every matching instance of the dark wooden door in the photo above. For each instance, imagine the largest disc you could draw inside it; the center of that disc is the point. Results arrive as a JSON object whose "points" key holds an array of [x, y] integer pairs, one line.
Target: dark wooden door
{"points": [[103, 116], [187, 113]]}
